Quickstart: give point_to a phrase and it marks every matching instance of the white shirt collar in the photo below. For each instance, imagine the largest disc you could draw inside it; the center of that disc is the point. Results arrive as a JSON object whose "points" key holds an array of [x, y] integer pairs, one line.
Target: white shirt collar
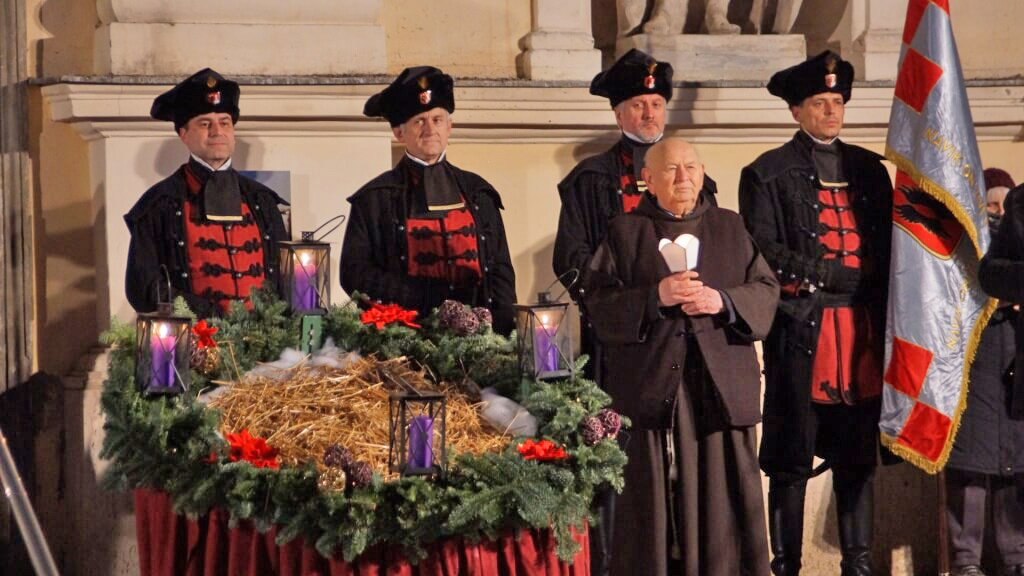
{"points": [[826, 142], [202, 163], [424, 162], [640, 140]]}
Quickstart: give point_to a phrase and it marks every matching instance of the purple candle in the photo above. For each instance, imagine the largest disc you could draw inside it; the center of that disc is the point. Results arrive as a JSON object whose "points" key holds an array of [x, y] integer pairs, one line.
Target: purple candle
{"points": [[162, 357], [304, 290], [421, 441], [545, 352]]}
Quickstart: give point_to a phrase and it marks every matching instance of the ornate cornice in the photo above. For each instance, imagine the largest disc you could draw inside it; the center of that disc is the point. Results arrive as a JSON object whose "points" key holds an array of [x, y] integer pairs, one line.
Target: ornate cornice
{"points": [[516, 111]]}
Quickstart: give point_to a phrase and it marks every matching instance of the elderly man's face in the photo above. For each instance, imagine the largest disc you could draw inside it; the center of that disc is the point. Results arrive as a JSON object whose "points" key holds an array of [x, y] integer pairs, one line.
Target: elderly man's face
{"points": [[425, 135], [821, 115], [994, 199], [642, 116], [674, 174], [211, 137]]}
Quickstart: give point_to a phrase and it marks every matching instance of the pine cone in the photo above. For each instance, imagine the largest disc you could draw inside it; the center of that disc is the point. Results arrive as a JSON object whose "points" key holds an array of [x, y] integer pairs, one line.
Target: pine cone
{"points": [[483, 315], [337, 456], [611, 421], [592, 430], [466, 323], [360, 475], [448, 311]]}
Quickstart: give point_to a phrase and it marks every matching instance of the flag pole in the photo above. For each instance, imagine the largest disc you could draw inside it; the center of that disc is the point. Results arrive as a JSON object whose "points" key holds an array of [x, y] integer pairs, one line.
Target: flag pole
{"points": [[31, 534], [943, 531]]}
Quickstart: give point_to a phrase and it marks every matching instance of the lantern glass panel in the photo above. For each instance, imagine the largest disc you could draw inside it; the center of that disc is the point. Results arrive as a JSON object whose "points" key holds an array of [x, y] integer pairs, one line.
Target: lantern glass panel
{"points": [[163, 349], [545, 341], [305, 275], [417, 433]]}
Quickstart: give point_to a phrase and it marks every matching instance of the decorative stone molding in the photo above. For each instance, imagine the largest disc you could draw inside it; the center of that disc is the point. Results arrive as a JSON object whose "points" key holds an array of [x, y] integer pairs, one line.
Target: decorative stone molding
{"points": [[560, 46], [155, 37], [704, 57], [738, 112], [871, 35]]}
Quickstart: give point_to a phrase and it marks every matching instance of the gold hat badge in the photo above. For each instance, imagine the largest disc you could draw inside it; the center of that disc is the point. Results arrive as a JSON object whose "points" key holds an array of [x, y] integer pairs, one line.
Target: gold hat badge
{"points": [[649, 83], [425, 95], [831, 79]]}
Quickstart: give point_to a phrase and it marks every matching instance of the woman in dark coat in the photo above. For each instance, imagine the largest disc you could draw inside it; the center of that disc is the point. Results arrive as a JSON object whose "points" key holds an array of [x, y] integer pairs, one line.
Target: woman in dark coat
{"points": [[987, 459]]}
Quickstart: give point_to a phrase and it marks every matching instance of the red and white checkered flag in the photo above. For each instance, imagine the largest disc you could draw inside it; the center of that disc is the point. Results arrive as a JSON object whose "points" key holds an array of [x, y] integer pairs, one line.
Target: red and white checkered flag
{"points": [[936, 309]]}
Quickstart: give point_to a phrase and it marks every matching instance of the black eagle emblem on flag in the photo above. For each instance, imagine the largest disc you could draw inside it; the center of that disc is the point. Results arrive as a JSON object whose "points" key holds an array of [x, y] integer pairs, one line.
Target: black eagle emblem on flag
{"points": [[925, 218]]}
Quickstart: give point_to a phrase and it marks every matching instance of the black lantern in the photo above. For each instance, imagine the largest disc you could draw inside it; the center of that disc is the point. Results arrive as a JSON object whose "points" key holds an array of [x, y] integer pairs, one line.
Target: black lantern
{"points": [[163, 348], [416, 433], [305, 285], [545, 339], [305, 274]]}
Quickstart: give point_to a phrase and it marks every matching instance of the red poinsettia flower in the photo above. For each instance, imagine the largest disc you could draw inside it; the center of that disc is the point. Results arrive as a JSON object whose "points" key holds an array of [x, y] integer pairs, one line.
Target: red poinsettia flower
{"points": [[252, 449], [543, 450], [380, 315], [204, 335]]}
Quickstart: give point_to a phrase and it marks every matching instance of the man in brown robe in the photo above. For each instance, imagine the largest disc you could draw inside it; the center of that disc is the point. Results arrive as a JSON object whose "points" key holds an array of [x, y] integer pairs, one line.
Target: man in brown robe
{"points": [[681, 365]]}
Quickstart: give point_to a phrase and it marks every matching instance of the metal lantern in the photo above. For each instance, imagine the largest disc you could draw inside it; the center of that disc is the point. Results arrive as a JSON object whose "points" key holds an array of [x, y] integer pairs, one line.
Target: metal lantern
{"points": [[305, 285], [545, 339], [416, 433], [163, 349], [305, 274]]}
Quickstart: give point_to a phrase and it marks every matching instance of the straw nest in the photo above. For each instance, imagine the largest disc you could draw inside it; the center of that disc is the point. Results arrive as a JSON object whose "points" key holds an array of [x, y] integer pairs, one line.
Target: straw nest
{"points": [[314, 408]]}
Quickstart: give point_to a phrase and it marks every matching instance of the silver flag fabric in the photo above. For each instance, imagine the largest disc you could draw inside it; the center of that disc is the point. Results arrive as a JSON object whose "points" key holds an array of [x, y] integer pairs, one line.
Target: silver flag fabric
{"points": [[936, 308]]}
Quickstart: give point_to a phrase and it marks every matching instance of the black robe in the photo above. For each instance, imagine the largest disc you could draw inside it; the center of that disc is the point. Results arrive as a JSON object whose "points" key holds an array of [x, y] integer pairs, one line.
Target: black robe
{"points": [[373, 257], [157, 229], [779, 203], [591, 197], [695, 380]]}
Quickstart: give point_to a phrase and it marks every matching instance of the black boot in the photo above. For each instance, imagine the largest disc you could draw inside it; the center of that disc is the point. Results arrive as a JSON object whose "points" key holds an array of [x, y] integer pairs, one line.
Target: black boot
{"points": [[601, 532], [854, 491], [786, 525]]}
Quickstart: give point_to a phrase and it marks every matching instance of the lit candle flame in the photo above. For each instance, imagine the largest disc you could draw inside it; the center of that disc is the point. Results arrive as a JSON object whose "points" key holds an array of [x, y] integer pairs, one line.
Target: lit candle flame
{"points": [[163, 330], [304, 257], [545, 319]]}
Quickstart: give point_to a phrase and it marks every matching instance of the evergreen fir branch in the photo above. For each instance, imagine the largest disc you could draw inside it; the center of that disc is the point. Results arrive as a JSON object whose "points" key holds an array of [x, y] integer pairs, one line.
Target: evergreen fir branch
{"points": [[165, 443]]}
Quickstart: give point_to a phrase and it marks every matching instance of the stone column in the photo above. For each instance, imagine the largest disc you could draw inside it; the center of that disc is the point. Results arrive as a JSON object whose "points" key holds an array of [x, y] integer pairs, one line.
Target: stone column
{"points": [[870, 36], [256, 37], [560, 46]]}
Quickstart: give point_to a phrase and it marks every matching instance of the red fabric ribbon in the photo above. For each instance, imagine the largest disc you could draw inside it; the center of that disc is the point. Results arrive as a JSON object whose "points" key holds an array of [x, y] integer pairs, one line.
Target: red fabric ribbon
{"points": [[543, 450], [380, 315], [252, 449], [204, 334]]}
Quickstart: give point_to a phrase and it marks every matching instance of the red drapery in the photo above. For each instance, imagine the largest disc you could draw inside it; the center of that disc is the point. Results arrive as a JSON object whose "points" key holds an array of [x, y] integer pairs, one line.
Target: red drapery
{"points": [[173, 545]]}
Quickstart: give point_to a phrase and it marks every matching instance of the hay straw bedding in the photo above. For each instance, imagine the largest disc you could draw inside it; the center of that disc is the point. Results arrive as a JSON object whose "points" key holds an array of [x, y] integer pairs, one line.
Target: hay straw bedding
{"points": [[315, 407]]}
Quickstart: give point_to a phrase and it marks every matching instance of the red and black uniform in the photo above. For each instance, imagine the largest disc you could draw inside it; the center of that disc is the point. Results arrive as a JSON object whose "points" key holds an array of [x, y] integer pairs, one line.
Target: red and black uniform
{"points": [[397, 249], [822, 214], [442, 244], [847, 365], [225, 259], [630, 183], [208, 263]]}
